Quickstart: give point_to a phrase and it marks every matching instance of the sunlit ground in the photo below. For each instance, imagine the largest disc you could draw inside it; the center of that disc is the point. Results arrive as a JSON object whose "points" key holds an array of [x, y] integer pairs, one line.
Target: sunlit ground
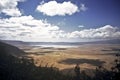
{"points": [[89, 56]]}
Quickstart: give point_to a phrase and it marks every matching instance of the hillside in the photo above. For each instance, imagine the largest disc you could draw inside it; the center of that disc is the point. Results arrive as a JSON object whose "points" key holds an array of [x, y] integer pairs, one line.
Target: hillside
{"points": [[14, 68], [10, 50]]}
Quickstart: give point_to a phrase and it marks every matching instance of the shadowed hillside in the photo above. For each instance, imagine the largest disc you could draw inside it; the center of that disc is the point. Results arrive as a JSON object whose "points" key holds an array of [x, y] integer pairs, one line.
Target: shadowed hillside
{"points": [[13, 68], [10, 50]]}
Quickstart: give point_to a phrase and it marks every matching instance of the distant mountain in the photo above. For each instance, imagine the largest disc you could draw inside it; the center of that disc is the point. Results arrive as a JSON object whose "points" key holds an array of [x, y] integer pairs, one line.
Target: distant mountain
{"points": [[22, 43], [114, 41], [10, 50]]}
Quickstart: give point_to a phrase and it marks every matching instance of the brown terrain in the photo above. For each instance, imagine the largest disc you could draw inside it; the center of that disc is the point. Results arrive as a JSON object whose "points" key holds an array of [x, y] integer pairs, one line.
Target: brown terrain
{"points": [[89, 56]]}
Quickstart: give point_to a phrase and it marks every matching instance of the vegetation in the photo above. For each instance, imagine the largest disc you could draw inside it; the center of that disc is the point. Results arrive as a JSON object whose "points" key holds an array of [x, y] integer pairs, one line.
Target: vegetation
{"points": [[103, 74], [14, 68], [114, 74]]}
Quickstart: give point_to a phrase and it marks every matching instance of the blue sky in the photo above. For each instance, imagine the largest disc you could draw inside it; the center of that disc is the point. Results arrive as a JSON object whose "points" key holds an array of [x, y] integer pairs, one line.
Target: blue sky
{"points": [[59, 20]]}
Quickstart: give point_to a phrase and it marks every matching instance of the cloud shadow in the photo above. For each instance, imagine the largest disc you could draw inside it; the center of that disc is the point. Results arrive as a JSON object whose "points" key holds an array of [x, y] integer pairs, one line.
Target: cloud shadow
{"points": [[94, 62]]}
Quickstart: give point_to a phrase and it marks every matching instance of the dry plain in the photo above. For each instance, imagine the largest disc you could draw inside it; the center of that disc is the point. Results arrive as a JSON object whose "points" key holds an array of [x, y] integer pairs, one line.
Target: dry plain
{"points": [[88, 56]]}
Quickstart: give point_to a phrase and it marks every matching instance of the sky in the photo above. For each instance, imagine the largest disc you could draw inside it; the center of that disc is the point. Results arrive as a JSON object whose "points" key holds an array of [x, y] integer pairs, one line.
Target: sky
{"points": [[59, 20]]}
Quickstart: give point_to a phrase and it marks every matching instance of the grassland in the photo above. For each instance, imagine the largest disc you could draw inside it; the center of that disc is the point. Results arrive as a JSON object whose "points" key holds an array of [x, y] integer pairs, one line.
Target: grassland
{"points": [[89, 56]]}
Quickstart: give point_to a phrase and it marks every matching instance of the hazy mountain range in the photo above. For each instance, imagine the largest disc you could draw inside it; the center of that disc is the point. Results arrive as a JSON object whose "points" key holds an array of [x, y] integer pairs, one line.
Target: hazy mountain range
{"points": [[22, 43]]}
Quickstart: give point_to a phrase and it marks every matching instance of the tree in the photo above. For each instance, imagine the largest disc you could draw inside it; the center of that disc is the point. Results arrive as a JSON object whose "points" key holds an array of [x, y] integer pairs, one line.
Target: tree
{"points": [[77, 72]]}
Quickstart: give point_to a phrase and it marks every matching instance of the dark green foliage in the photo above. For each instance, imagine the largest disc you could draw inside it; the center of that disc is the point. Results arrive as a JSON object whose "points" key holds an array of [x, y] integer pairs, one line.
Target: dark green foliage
{"points": [[84, 76], [101, 73], [14, 68], [77, 72], [114, 74]]}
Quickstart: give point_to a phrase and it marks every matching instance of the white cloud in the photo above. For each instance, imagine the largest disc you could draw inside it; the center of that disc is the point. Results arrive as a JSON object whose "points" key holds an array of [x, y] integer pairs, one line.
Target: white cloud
{"points": [[105, 32], [9, 7], [81, 26], [53, 8], [27, 28], [83, 7]]}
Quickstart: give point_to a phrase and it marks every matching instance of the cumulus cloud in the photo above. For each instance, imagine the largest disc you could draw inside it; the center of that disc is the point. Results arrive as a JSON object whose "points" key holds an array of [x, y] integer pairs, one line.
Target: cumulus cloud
{"points": [[27, 28], [83, 8], [9, 7], [53, 8], [105, 32], [81, 26]]}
